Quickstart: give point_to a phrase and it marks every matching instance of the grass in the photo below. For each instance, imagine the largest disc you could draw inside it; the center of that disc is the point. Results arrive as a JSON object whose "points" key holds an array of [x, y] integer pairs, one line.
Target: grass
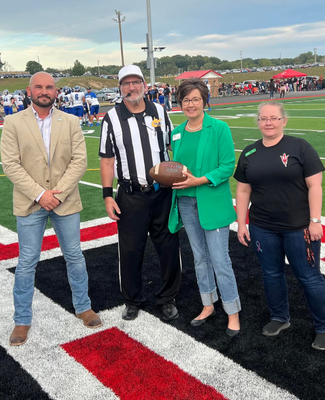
{"points": [[13, 84], [306, 120], [85, 81]]}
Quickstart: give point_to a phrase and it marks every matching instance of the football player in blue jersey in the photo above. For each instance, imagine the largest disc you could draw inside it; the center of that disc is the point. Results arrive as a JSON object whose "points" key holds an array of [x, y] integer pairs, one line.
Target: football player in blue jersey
{"points": [[93, 102], [18, 100], [77, 98], [7, 101]]}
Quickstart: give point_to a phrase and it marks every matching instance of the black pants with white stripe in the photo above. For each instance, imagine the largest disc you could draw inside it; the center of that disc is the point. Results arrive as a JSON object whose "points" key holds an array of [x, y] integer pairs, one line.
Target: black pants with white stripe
{"points": [[142, 213]]}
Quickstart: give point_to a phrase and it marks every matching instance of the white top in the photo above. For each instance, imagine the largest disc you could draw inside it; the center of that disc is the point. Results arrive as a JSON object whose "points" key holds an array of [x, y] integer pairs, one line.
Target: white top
{"points": [[77, 98]]}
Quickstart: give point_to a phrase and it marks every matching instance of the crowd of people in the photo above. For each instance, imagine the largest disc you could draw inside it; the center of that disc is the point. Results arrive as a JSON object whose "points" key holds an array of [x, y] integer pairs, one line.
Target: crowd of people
{"points": [[280, 86], [46, 162], [19, 100]]}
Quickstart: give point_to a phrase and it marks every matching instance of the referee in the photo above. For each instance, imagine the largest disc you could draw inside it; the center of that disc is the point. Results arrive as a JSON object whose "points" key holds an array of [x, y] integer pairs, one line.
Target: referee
{"points": [[134, 138]]}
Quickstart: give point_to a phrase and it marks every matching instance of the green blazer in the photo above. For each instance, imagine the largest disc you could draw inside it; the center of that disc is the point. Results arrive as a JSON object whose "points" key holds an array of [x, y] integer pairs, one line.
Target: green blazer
{"points": [[216, 161]]}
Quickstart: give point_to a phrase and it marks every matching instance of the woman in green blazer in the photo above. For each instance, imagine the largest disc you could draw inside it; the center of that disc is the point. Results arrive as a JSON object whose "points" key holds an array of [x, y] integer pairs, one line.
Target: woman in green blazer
{"points": [[203, 203]]}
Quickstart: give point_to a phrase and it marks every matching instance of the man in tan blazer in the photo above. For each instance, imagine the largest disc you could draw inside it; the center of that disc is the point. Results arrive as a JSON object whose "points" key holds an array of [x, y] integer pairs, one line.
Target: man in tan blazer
{"points": [[44, 155]]}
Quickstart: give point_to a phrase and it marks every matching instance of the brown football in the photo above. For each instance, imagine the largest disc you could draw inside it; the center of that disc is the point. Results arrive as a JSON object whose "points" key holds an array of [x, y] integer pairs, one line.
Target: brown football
{"points": [[169, 172]]}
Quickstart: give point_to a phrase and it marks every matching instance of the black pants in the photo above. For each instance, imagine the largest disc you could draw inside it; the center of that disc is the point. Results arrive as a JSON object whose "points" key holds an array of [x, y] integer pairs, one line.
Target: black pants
{"points": [[142, 213]]}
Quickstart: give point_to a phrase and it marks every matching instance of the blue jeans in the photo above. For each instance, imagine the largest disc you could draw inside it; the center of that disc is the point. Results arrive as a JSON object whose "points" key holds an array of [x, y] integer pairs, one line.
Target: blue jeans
{"points": [[271, 247], [166, 102], [211, 256], [30, 234]]}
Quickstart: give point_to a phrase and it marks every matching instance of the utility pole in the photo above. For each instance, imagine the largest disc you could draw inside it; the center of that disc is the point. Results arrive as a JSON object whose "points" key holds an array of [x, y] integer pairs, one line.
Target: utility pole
{"points": [[98, 68], [151, 60], [241, 60], [280, 58], [119, 20], [38, 58], [315, 55]]}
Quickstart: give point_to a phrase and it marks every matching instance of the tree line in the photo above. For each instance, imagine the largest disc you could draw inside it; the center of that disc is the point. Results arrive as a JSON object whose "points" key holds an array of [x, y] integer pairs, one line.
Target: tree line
{"points": [[179, 63]]}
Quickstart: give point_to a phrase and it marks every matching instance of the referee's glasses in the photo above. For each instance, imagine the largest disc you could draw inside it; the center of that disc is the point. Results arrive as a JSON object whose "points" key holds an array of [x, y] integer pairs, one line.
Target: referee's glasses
{"points": [[134, 83]]}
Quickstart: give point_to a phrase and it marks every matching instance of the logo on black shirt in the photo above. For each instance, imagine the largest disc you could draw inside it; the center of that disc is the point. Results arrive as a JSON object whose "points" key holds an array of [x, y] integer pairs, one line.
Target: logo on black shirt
{"points": [[284, 159]]}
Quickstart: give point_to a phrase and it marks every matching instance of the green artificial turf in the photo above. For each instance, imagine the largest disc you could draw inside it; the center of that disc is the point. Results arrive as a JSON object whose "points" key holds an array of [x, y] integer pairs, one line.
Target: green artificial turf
{"points": [[306, 120]]}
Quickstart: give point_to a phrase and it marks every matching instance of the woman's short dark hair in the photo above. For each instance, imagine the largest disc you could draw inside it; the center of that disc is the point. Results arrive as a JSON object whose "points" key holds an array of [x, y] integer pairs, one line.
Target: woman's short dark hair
{"points": [[187, 86]]}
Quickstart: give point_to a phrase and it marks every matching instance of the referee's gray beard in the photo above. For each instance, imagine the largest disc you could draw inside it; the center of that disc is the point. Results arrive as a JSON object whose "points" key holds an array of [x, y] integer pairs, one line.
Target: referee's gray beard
{"points": [[134, 102]]}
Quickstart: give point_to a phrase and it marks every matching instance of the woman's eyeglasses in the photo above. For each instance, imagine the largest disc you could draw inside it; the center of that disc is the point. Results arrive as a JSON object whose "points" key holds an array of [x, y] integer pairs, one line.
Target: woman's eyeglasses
{"points": [[272, 119], [195, 101]]}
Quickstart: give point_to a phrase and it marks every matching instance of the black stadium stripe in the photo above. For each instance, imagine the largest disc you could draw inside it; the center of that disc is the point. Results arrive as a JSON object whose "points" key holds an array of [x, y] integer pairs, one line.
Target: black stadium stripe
{"points": [[16, 383], [288, 361]]}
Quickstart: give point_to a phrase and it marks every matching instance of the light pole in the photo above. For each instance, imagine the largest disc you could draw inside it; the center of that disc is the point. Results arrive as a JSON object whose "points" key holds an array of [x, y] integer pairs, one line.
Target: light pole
{"points": [[119, 20], [98, 67], [241, 60], [38, 59], [151, 61]]}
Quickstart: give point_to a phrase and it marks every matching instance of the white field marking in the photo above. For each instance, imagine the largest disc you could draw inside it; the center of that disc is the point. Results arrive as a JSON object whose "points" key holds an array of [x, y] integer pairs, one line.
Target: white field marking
{"points": [[296, 133], [49, 254], [224, 117], [86, 224], [91, 137], [286, 129], [45, 255], [42, 354], [93, 185], [7, 236], [88, 131]]}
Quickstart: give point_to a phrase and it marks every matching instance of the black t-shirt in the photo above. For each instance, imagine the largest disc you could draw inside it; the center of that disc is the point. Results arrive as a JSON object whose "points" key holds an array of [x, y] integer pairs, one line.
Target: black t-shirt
{"points": [[277, 176], [166, 91], [154, 94], [26, 102]]}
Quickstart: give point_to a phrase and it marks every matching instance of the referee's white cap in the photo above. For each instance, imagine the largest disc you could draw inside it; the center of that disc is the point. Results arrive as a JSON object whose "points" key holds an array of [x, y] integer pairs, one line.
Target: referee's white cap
{"points": [[129, 70]]}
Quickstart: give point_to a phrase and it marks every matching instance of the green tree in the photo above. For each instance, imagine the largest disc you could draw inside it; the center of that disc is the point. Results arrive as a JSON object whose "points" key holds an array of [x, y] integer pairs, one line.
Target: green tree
{"points": [[78, 69], [52, 70], [33, 66]]}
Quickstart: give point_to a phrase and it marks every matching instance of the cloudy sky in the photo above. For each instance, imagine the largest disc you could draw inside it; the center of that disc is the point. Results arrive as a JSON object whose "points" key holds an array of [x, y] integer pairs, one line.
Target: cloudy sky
{"points": [[61, 32]]}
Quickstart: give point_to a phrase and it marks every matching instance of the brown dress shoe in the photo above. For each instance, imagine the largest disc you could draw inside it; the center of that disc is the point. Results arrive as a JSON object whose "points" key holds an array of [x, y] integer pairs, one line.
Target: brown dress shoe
{"points": [[91, 319], [19, 335]]}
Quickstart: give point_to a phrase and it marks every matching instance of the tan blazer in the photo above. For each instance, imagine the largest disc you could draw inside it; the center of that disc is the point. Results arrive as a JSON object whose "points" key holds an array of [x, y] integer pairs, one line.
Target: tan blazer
{"points": [[24, 161]]}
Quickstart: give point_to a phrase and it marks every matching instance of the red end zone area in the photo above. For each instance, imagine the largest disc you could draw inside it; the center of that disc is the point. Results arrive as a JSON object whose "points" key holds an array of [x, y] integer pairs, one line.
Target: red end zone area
{"points": [[111, 355]]}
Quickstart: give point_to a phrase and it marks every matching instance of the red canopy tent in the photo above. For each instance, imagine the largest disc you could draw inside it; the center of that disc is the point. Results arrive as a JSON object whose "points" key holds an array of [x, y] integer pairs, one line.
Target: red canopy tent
{"points": [[289, 73]]}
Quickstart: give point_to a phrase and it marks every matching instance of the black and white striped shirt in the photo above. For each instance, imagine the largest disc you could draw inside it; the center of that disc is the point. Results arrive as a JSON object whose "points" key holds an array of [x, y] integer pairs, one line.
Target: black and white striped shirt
{"points": [[137, 141]]}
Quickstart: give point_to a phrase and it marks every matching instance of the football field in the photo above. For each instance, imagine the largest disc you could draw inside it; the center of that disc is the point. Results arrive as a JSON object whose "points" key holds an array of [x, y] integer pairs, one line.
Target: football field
{"points": [[149, 359], [306, 120]]}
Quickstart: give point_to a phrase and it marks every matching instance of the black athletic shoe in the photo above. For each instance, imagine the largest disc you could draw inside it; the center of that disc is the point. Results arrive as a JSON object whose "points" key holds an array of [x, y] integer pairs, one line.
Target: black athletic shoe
{"points": [[273, 328], [319, 342]]}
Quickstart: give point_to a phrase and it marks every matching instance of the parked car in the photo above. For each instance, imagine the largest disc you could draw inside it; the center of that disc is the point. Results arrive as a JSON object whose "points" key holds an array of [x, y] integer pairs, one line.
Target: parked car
{"points": [[252, 81], [105, 96]]}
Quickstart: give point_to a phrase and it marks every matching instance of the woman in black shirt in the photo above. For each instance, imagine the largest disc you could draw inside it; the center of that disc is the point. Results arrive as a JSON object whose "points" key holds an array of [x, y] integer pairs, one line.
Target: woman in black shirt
{"points": [[282, 176]]}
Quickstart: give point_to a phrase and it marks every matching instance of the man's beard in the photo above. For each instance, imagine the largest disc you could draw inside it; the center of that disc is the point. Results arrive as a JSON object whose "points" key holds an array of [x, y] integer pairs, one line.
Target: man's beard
{"points": [[36, 101], [136, 100]]}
